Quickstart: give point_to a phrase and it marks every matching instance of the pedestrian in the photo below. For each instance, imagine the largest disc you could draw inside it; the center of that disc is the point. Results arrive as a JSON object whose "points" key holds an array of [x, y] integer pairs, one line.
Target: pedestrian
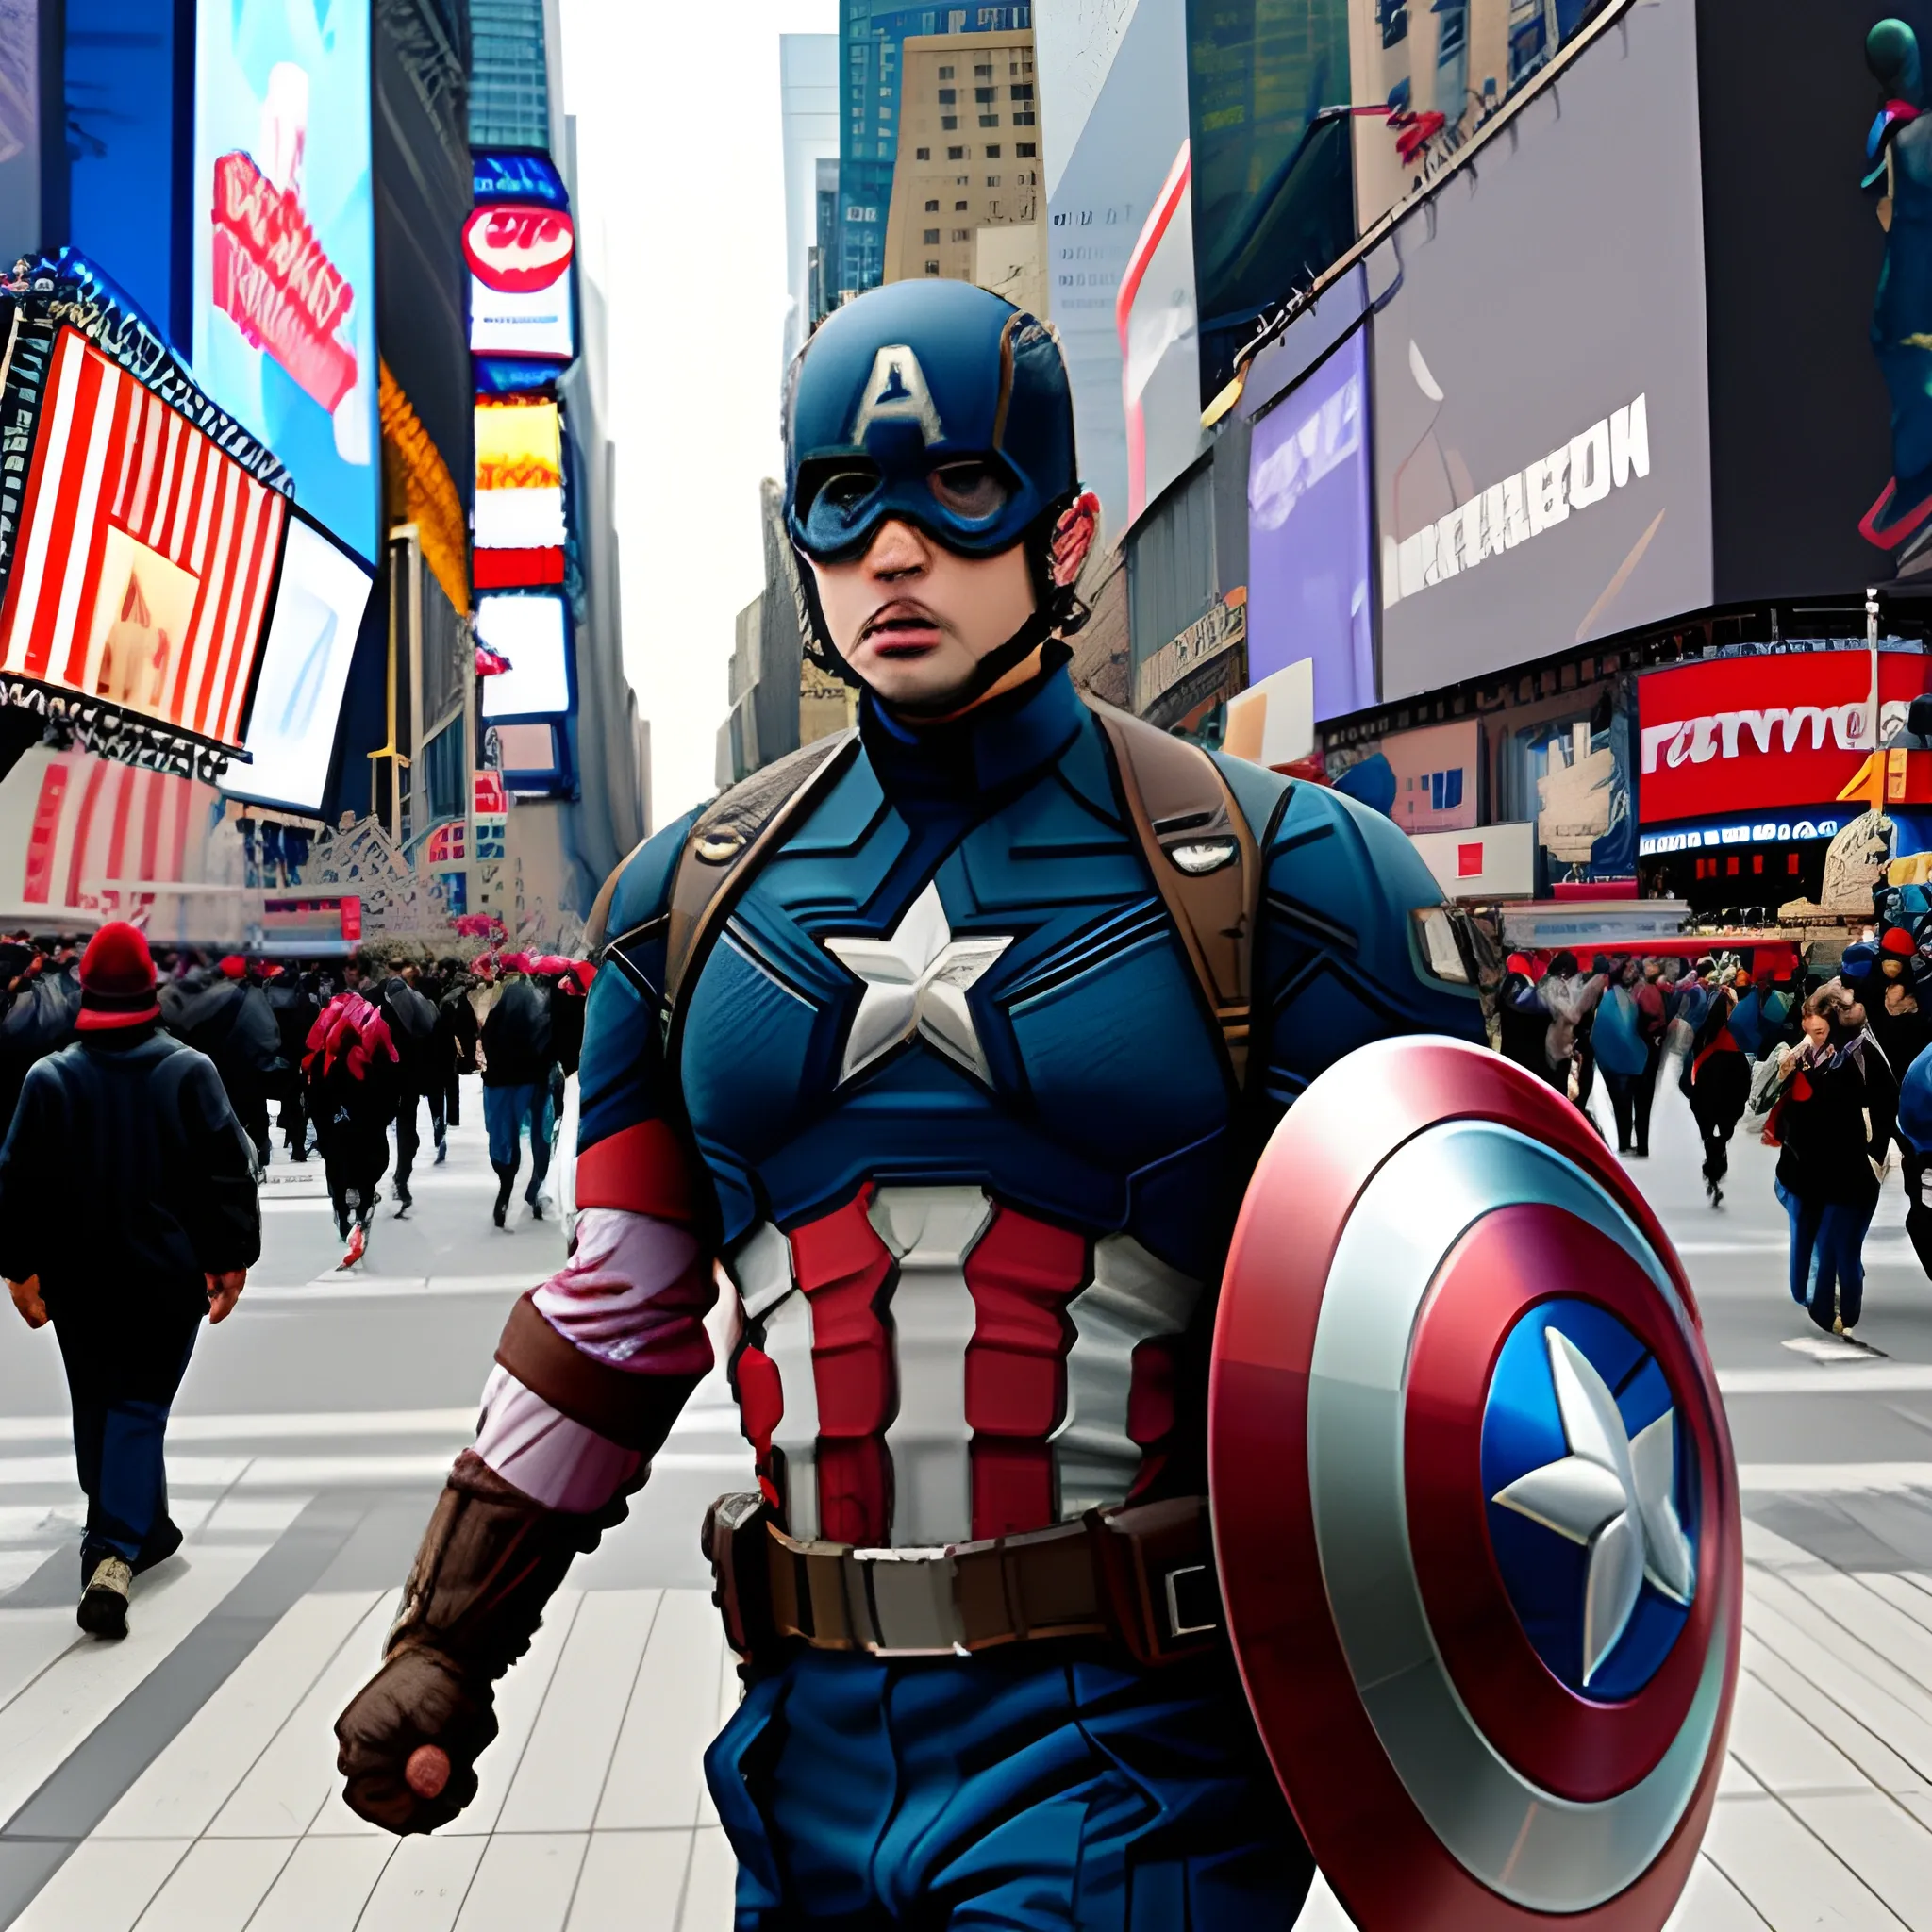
{"points": [[292, 998], [516, 1057], [1624, 1048], [1915, 1138], [1832, 1122], [350, 1066], [1896, 1016], [455, 1044], [1585, 1057], [412, 1021], [1521, 1021], [1720, 1074], [127, 1218], [230, 1021], [1568, 996]]}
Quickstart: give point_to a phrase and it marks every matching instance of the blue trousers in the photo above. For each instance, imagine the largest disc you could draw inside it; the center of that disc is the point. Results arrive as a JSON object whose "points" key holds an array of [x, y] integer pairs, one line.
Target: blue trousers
{"points": [[506, 1110], [1827, 1257], [122, 1394], [1004, 1793]]}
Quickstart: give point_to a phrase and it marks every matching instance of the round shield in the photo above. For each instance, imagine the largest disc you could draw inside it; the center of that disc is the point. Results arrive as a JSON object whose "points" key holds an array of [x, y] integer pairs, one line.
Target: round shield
{"points": [[1475, 1506]]}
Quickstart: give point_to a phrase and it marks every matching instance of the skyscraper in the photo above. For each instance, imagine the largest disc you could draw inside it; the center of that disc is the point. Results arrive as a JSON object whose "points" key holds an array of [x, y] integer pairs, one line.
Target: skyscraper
{"points": [[808, 105], [871, 38]]}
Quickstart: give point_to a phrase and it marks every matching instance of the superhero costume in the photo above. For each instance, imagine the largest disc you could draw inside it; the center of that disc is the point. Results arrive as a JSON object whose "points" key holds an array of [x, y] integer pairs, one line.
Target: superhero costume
{"points": [[933, 1065]]}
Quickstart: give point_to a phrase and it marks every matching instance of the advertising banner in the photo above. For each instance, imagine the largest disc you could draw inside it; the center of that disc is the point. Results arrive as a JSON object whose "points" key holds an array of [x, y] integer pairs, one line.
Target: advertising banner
{"points": [[146, 558], [1438, 776], [1730, 736], [519, 480], [1308, 542], [1160, 344], [520, 293], [305, 671], [1540, 422], [533, 633], [285, 243]]}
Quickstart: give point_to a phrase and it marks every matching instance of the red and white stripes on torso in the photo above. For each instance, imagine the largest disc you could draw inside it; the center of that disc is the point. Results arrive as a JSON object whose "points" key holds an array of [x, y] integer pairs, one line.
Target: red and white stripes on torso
{"points": [[923, 1366]]}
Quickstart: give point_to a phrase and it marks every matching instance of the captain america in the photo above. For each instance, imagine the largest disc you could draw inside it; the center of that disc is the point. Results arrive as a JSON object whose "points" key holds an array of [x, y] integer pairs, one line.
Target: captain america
{"points": [[953, 1041]]}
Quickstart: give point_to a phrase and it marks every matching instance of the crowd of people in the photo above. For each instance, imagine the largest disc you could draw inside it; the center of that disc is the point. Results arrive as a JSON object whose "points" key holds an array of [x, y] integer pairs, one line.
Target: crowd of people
{"points": [[1834, 1072], [341, 1051]]}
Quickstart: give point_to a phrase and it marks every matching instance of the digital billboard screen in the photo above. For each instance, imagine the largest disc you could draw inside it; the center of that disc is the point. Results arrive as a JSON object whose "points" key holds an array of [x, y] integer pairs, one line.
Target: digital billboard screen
{"points": [[532, 634], [519, 474], [1308, 537], [146, 558], [520, 296], [285, 243], [305, 671], [1540, 392]]}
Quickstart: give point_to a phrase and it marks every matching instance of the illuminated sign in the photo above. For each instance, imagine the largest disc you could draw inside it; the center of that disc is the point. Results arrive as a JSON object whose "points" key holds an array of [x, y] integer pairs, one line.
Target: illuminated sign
{"points": [[531, 633], [516, 177], [305, 671], [491, 799], [1822, 821], [284, 245], [518, 248], [519, 476], [143, 573]]}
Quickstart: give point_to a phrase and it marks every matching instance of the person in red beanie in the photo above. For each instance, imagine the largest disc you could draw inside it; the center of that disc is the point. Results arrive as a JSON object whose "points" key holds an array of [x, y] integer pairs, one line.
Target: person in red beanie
{"points": [[127, 1218]]}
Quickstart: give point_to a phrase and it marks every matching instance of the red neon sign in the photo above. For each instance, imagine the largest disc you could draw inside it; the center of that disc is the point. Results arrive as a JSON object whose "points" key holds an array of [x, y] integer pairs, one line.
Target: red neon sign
{"points": [[273, 281], [517, 246]]}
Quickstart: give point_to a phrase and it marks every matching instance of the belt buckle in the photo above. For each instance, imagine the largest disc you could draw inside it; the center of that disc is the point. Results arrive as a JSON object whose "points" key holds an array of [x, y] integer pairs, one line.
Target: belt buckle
{"points": [[908, 1602], [1171, 1581]]}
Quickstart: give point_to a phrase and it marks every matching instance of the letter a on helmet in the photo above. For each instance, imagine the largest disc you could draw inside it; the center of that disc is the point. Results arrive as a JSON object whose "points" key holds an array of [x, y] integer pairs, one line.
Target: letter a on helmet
{"points": [[897, 393]]}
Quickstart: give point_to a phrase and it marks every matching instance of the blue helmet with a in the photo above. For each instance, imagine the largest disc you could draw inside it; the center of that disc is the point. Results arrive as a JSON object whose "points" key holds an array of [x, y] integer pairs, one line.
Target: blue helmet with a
{"points": [[932, 402]]}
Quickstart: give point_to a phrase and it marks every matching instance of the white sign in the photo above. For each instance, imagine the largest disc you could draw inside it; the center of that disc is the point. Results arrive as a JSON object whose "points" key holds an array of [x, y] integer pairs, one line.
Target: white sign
{"points": [[1491, 862], [1573, 476], [530, 632]]}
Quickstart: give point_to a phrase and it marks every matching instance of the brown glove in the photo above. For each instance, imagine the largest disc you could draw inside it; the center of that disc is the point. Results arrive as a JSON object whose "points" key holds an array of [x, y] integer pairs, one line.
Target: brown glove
{"points": [[489, 1561]]}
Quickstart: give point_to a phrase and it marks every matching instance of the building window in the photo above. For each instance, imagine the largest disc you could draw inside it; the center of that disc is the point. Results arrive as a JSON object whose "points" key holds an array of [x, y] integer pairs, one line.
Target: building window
{"points": [[993, 151], [956, 153], [932, 238], [989, 120], [945, 73], [962, 180], [960, 235], [983, 71], [949, 124], [1026, 150], [959, 208], [993, 180], [932, 268], [1022, 94], [985, 94], [1452, 34], [924, 154], [948, 97], [1024, 120], [932, 207]]}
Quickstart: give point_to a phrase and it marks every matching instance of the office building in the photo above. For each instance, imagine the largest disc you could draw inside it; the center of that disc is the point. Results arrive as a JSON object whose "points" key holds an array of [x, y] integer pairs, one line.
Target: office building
{"points": [[808, 106], [969, 160]]}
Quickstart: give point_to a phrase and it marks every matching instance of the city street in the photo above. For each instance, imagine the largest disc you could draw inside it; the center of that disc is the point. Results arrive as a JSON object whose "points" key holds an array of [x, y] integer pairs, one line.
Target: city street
{"points": [[183, 1778]]}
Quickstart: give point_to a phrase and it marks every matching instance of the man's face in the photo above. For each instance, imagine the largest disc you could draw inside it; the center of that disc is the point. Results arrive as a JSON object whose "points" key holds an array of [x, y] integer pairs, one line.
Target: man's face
{"points": [[913, 619], [352, 978]]}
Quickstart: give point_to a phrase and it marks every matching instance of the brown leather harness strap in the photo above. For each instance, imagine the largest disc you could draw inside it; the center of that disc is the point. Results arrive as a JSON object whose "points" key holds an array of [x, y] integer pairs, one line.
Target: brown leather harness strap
{"points": [[631, 1409], [1206, 864]]}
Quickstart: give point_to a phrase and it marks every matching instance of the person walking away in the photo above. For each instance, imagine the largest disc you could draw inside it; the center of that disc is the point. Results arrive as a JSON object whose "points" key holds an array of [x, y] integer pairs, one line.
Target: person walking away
{"points": [[293, 1000], [1585, 1057], [457, 1032], [127, 1218], [1720, 1088], [412, 1021], [516, 1084], [350, 1066], [1894, 1011], [1568, 997], [1521, 1021], [1834, 1120], [1623, 1051], [1915, 1137], [231, 1022]]}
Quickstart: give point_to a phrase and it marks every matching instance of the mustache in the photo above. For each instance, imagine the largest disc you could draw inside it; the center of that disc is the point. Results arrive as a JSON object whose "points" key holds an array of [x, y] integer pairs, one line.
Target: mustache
{"points": [[900, 610]]}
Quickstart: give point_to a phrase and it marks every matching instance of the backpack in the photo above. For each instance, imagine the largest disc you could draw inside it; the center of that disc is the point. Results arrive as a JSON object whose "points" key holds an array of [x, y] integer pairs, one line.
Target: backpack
{"points": [[1203, 858]]}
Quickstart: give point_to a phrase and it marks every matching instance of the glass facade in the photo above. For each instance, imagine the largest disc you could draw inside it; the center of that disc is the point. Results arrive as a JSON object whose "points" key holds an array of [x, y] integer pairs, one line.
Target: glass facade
{"points": [[871, 37], [510, 74]]}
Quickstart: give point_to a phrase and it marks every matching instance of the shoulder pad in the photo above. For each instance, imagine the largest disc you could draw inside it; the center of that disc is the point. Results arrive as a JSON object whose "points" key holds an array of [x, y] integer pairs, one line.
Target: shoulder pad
{"points": [[639, 890]]}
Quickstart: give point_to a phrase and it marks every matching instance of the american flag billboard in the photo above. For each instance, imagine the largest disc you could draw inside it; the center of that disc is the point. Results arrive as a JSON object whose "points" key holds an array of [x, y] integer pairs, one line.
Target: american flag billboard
{"points": [[145, 557]]}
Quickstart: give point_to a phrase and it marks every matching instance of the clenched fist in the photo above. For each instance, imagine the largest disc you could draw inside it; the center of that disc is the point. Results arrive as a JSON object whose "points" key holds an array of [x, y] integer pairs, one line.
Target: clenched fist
{"points": [[409, 1742]]}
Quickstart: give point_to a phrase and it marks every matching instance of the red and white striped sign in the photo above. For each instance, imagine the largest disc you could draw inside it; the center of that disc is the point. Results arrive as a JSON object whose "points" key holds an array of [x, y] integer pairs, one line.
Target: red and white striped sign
{"points": [[145, 555]]}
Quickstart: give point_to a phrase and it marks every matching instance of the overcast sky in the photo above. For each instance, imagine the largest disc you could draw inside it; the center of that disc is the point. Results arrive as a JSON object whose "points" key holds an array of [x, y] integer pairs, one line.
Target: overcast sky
{"points": [[681, 219]]}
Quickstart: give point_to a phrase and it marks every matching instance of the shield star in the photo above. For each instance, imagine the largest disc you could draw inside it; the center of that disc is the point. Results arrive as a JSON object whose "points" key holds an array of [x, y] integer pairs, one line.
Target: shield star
{"points": [[916, 980], [1613, 1493]]}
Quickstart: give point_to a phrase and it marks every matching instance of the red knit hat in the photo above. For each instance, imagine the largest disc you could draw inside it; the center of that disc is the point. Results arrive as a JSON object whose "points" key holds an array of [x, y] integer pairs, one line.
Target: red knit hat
{"points": [[1897, 941], [117, 980], [233, 967]]}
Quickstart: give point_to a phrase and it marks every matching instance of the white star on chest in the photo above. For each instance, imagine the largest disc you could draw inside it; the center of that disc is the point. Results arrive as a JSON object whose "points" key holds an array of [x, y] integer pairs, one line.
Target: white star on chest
{"points": [[916, 980], [1613, 1494]]}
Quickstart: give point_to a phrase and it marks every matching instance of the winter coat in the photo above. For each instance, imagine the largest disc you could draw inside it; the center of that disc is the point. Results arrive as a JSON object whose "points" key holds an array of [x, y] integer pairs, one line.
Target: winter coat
{"points": [[456, 1030], [1621, 1046], [1522, 1023], [566, 1024], [124, 1180], [1720, 1072], [1836, 1120], [516, 1038], [295, 1009], [232, 1023], [412, 1031], [350, 1073], [1567, 998]]}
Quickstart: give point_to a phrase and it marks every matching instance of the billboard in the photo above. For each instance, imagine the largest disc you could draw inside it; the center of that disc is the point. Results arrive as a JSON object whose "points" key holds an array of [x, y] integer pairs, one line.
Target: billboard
{"points": [[519, 288], [532, 633], [305, 671], [146, 555], [1783, 731], [1540, 422], [285, 243], [1438, 777], [1160, 343], [519, 481], [1308, 542], [1097, 203]]}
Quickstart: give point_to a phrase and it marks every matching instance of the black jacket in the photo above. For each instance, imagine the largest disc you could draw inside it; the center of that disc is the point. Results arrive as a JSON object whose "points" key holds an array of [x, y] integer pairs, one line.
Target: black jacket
{"points": [[412, 1026], [1835, 1121], [516, 1038], [125, 1178], [456, 1031]]}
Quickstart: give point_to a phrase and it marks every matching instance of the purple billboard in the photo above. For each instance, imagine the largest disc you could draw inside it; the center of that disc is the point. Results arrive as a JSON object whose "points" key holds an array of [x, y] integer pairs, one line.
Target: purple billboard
{"points": [[1309, 534]]}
